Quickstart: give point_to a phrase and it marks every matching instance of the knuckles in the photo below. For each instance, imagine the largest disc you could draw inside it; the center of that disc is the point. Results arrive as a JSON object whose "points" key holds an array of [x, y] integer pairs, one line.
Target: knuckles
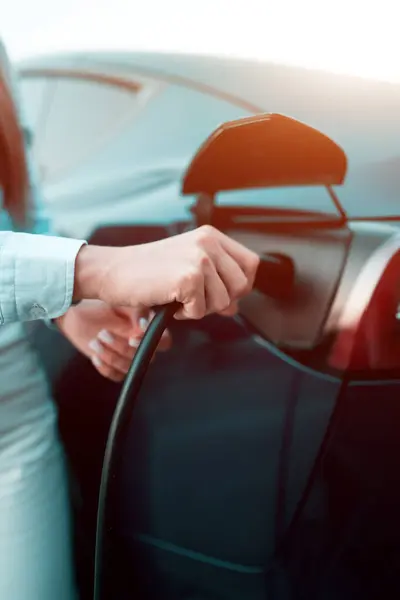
{"points": [[241, 288], [253, 263], [206, 233], [207, 238], [198, 314], [200, 262], [189, 280], [221, 305]]}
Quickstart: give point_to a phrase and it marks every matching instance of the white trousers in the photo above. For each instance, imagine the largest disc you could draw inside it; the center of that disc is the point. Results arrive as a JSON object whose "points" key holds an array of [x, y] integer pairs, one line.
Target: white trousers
{"points": [[35, 524]]}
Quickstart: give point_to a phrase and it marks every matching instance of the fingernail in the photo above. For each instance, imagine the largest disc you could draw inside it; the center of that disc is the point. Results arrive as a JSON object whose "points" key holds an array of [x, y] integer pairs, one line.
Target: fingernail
{"points": [[95, 346], [105, 336], [134, 342], [96, 361], [143, 323]]}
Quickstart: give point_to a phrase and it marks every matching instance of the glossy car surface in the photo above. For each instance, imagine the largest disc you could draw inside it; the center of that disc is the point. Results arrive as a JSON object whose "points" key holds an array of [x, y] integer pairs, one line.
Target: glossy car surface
{"points": [[262, 459]]}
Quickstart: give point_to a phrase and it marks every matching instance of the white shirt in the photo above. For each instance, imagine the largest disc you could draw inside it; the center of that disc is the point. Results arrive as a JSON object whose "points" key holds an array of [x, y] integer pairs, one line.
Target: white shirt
{"points": [[36, 276]]}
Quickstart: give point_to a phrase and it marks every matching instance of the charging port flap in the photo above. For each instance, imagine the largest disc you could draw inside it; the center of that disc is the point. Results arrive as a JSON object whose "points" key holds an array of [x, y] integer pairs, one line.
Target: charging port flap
{"points": [[262, 151]]}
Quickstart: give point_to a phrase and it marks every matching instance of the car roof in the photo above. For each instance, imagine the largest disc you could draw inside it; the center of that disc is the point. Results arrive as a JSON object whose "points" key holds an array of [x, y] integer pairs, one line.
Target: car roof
{"points": [[256, 82]]}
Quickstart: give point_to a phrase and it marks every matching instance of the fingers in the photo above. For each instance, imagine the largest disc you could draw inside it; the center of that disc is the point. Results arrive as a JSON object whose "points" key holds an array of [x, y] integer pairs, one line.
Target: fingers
{"points": [[236, 264], [236, 282], [129, 321], [106, 370], [223, 272], [136, 319], [112, 354], [216, 294], [112, 360], [247, 260], [210, 295], [137, 333], [231, 311], [139, 319], [192, 296]]}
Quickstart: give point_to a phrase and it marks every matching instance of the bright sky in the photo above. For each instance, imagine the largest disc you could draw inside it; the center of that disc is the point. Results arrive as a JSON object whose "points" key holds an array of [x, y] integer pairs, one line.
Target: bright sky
{"points": [[349, 36]]}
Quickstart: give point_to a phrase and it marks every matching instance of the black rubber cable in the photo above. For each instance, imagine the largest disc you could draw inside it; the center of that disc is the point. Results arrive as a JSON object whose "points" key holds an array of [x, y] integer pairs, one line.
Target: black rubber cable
{"points": [[126, 401]]}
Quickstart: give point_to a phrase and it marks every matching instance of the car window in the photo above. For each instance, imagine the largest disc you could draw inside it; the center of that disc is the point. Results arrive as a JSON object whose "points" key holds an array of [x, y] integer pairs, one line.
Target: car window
{"points": [[83, 115], [33, 93]]}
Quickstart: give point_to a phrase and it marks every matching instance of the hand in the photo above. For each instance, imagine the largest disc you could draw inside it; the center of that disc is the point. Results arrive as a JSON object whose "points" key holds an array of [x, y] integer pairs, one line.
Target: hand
{"points": [[203, 269], [108, 336]]}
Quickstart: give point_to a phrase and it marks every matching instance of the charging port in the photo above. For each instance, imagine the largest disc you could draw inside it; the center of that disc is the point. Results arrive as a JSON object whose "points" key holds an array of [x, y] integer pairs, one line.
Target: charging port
{"points": [[275, 276]]}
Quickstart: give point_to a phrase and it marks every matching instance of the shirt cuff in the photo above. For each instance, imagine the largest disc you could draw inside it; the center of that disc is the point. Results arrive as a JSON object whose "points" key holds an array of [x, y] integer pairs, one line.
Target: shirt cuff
{"points": [[36, 276]]}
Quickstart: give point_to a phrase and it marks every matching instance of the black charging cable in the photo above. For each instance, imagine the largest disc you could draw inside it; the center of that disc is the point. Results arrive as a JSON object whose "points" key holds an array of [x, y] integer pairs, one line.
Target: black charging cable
{"points": [[128, 397]]}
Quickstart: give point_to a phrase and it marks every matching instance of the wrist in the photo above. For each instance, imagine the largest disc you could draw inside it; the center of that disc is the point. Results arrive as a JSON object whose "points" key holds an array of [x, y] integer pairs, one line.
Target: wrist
{"points": [[86, 280], [91, 267], [57, 322], [53, 323]]}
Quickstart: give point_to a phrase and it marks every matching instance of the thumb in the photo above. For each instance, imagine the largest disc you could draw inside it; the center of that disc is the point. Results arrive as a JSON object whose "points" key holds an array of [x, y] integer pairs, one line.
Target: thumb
{"points": [[138, 319]]}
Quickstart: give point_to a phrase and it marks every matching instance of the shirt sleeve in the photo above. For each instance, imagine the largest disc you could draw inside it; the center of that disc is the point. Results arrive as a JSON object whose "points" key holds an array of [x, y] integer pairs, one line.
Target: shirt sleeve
{"points": [[36, 276]]}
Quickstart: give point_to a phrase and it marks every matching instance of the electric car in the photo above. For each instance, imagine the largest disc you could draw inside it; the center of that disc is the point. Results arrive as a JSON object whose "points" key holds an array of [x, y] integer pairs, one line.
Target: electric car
{"points": [[262, 458]]}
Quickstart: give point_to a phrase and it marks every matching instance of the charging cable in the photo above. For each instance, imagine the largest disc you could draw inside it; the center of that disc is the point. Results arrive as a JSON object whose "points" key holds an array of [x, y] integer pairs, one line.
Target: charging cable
{"points": [[126, 401]]}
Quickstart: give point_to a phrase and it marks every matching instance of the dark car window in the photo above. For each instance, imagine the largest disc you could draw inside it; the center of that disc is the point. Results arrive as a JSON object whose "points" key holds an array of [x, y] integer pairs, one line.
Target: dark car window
{"points": [[83, 114]]}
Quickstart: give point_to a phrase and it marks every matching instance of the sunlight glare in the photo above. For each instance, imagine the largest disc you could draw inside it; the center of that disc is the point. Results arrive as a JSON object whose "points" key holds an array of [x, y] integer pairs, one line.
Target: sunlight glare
{"points": [[352, 36]]}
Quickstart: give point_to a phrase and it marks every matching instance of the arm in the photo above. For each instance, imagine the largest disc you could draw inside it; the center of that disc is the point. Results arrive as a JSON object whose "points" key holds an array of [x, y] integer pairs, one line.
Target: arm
{"points": [[203, 270]]}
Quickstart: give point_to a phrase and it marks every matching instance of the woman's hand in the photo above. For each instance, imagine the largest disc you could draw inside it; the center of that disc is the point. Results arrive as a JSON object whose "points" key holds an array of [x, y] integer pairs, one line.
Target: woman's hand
{"points": [[204, 270], [108, 336]]}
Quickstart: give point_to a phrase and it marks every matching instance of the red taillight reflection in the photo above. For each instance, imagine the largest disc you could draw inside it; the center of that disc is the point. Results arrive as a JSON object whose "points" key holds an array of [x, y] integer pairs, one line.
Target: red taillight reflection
{"points": [[375, 343]]}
